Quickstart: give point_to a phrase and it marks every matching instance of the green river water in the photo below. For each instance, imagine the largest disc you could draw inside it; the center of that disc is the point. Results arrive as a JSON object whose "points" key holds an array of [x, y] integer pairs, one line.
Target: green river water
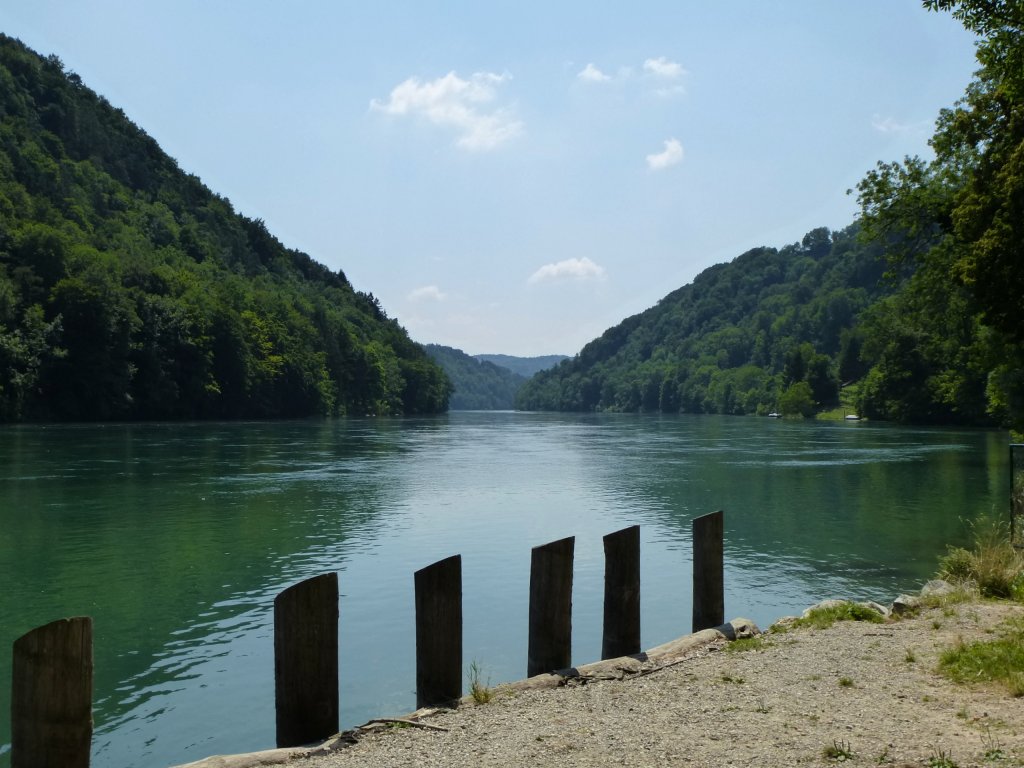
{"points": [[175, 538]]}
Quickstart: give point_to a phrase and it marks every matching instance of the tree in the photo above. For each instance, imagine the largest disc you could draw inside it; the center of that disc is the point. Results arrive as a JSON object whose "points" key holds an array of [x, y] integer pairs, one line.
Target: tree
{"points": [[961, 216], [797, 400]]}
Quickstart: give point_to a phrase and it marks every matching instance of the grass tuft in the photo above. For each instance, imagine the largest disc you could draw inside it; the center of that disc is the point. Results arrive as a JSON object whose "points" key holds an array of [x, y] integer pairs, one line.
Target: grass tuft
{"points": [[941, 759], [839, 752], [998, 661], [745, 644], [993, 563], [823, 618], [480, 691]]}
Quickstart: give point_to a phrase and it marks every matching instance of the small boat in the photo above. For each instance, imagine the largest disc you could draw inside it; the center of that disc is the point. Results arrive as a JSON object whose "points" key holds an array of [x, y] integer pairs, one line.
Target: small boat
{"points": [[852, 417], [774, 415]]}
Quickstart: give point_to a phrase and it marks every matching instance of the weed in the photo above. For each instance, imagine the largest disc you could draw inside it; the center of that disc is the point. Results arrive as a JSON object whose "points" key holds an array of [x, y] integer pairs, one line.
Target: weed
{"points": [[910, 657], [1000, 660], [941, 759], [762, 706], [727, 678], [883, 758], [823, 618], [962, 713], [839, 752], [936, 624], [745, 644], [846, 682], [993, 749], [993, 563], [480, 691]]}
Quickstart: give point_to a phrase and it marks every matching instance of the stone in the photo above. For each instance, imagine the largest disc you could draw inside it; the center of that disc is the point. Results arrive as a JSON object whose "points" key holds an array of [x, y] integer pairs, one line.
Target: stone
{"points": [[905, 604], [878, 608], [784, 623], [742, 628], [937, 588]]}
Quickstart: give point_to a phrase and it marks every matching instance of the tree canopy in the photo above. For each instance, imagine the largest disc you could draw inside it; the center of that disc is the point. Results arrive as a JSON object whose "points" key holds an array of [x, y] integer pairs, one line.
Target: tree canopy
{"points": [[733, 340], [958, 221], [128, 290]]}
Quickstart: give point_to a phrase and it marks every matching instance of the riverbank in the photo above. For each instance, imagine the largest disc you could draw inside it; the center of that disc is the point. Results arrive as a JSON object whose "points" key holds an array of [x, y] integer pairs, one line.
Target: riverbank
{"points": [[858, 692]]}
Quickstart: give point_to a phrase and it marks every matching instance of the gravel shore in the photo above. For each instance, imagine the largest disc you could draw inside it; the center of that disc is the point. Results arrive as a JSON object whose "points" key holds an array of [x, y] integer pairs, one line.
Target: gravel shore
{"points": [[869, 691]]}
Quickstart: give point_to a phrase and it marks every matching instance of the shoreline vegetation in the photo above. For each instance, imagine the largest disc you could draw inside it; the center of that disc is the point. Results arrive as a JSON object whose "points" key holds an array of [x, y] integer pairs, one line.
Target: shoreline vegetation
{"points": [[935, 679]]}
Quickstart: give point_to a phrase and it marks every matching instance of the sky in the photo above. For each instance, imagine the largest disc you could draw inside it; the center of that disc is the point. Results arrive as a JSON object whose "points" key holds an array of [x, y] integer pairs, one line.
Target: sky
{"points": [[517, 177]]}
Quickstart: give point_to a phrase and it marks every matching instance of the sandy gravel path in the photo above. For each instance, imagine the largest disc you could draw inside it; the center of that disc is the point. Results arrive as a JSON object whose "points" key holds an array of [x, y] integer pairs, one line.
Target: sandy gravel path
{"points": [[870, 689]]}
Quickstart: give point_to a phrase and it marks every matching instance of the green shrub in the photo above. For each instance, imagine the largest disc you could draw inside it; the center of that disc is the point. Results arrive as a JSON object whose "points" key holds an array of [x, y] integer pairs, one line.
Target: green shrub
{"points": [[992, 562]]}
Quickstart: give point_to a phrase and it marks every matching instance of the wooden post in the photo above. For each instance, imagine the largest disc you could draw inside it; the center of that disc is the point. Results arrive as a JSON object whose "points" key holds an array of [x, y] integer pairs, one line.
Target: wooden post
{"points": [[550, 642], [51, 695], [306, 661], [439, 633], [708, 582], [621, 593]]}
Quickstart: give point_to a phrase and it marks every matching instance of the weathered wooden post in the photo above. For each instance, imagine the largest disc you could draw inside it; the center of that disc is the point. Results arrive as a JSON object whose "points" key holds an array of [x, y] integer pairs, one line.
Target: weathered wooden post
{"points": [[306, 661], [550, 642], [439, 633], [51, 695], [621, 593], [708, 582]]}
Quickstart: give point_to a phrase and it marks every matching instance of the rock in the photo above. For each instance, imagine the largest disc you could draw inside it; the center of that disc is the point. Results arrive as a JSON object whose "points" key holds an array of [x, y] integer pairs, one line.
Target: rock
{"points": [[784, 623], [937, 588], [824, 605], [743, 628], [878, 608], [905, 604]]}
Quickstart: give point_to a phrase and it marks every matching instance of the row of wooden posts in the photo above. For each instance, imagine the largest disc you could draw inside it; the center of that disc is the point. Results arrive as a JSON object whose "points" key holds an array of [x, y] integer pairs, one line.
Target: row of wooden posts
{"points": [[51, 703]]}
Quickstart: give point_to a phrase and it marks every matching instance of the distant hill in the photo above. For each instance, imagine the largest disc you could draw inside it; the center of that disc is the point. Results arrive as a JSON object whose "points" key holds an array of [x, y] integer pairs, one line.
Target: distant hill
{"points": [[479, 385], [129, 290], [773, 328], [524, 366]]}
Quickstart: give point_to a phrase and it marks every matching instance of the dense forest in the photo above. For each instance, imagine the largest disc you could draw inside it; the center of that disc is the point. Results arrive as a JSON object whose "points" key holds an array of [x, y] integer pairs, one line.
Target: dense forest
{"points": [[772, 326], [128, 290], [916, 307], [477, 385]]}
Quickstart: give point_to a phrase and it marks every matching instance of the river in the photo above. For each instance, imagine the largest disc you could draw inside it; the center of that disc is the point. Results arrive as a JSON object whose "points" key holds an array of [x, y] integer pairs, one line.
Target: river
{"points": [[175, 538]]}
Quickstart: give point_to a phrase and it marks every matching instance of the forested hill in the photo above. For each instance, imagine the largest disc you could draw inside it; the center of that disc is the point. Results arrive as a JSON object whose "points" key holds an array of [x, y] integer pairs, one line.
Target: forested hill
{"points": [[524, 366], [478, 385], [735, 340], [940, 341], [128, 290]]}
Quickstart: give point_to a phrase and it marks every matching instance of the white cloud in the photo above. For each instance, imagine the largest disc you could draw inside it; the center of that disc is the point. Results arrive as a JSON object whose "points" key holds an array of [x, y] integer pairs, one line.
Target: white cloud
{"points": [[569, 269], [427, 293], [671, 155], [592, 74], [892, 125], [662, 67], [452, 102]]}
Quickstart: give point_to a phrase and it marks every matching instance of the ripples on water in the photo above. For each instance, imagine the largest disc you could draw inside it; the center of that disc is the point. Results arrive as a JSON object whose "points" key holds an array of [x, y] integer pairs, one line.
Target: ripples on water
{"points": [[177, 538]]}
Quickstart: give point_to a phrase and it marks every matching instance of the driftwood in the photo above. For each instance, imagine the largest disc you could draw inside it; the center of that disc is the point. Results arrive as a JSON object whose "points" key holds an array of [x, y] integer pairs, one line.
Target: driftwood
{"points": [[403, 721]]}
